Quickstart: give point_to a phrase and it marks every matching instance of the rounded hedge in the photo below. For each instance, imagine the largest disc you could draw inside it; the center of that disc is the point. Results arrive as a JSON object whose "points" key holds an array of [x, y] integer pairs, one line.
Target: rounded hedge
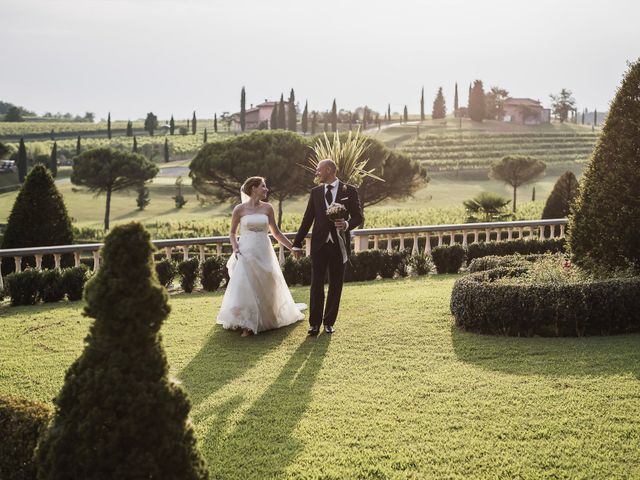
{"points": [[598, 307]]}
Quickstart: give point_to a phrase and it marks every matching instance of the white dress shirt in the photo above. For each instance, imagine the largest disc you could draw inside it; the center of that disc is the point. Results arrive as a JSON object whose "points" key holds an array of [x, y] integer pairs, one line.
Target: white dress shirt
{"points": [[334, 194]]}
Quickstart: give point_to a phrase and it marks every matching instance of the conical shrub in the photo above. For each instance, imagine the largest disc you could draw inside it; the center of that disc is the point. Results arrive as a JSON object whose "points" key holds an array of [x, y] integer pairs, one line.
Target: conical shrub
{"points": [[38, 218], [118, 415], [604, 225]]}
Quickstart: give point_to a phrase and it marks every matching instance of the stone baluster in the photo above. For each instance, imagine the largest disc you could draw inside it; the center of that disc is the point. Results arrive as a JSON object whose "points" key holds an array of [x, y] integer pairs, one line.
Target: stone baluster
{"points": [[475, 236], [361, 243], [427, 245], [375, 242], [464, 238], [56, 260], [541, 233], [39, 263], [218, 249], [389, 243], [307, 247], [402, 242], [201, 250], [414, 249], [498, 235], [96, 260], [185, 252], [562, 231], [439, 239], [509, 233], [76, 259], [167, 253], [487, 232], [18, 262], [552, 229], [519, 233]]}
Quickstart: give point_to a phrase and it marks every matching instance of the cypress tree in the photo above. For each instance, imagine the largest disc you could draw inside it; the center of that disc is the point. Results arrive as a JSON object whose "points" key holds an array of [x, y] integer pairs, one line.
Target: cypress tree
{"points": [[243, 109], [78, 146], [439, 106], [118, 415], [455, 101], [564, 192], [166, 149], [533, 194], [334, 117], [273, 123], [389, 111], [38, 218], [422, 105], [365, 115], [22, 160], [109, 125], [53, 162], [604, 225], [282, 114], [204, 139], [172, 125], [135, 145], [129, 128], [193, 123], [215, 123], [477, 102], [406, 114], [305, 119], [292, 120]]}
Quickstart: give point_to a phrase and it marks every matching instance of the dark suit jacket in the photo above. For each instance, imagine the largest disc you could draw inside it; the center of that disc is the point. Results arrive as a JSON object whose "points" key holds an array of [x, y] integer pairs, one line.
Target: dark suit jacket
{"points": [[316, 214]]}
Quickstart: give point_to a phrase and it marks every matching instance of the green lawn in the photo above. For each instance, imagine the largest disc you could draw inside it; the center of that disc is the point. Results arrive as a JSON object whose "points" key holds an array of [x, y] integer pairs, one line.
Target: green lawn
{"points": [[397, 392]]}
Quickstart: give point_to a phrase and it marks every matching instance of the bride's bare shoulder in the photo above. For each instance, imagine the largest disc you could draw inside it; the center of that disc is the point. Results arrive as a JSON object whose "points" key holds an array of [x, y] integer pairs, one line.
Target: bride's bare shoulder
{"points": [[238, 209]]}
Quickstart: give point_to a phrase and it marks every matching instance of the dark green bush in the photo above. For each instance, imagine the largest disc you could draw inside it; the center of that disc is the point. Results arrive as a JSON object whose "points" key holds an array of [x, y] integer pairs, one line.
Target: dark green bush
{"points": [[73, 280], [363, 266], [448, 258], [24, 287], [166, 270], [21, 423], [188, 271], [493, 261], [213, 272], [393, 262], [118, 415], [420, 264], [291, 271], [304, 265], [51, 286], [596, 307], [523, 247]]}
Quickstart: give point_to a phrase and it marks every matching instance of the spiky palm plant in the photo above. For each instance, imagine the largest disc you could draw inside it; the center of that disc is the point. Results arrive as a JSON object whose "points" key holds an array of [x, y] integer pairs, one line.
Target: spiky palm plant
{"points": [[348, 153]]}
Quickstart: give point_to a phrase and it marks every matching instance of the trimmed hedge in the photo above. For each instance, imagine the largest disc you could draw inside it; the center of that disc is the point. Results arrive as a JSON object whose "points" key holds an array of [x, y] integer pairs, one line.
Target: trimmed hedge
{"points": [[523, 247], [24, 287], [21, 423], [448, 259], [597, 307], [73, 280], [212, 273], [51, 286], [166, 270], [493, 261], [188, 271]]}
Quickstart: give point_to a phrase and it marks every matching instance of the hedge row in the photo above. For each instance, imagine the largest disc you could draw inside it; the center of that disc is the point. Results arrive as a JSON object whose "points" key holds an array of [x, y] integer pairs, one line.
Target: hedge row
{"points": [[523, 247], [31, 286], [597, 307], [483, 264], [21, 423]]}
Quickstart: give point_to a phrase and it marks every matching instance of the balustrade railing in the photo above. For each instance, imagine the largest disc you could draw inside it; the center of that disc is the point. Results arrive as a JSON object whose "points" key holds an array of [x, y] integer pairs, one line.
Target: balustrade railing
{"points": [[363, 239]]}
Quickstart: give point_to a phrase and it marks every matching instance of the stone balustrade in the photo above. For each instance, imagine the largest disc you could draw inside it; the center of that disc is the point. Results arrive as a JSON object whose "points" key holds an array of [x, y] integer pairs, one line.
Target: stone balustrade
{"points": [[363, 239]]}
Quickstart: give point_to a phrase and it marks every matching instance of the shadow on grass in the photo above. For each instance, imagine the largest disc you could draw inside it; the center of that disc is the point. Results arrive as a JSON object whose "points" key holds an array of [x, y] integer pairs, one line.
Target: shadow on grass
{"points": [[261, 445], [554, 357], [225, 357]]}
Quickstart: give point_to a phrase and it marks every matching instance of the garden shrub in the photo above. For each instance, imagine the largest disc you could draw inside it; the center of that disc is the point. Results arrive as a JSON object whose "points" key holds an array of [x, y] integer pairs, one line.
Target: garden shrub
{"points": [[212, 272], [391, 263], [523, 247], [24, 287], [188, 271], [166, 270], [481, 302], [118, 416], [291, 271], [604, 224], [73, 280], [420, 264], [492, 261], [21, 423], [363, 266], [51, 286], [448, 258]]}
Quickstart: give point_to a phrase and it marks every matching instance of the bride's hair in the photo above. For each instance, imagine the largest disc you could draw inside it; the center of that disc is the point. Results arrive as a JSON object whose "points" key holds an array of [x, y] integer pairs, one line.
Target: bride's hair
{"points": [[251, 182]]}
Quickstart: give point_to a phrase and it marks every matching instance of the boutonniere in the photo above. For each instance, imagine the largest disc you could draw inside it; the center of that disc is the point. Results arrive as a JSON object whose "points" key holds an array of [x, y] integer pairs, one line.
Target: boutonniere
{"points": [[344, 188]]}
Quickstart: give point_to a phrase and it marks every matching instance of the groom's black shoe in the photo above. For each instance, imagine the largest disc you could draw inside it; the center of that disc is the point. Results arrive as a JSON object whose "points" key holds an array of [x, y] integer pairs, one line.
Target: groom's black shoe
{"points": [[329, 329], [313, 331]]}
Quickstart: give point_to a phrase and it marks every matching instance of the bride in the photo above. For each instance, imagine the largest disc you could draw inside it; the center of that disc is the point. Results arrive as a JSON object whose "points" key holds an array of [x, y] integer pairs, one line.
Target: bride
{"points": [[257, 297]]}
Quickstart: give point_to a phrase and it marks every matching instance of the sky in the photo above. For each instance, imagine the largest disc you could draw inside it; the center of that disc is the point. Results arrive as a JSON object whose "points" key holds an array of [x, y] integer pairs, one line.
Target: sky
{"points": [[130, 57]]}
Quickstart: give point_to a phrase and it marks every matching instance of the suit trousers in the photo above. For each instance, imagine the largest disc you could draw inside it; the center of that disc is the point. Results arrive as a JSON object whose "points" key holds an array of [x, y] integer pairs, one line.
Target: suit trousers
{"points": [[328, 257]]}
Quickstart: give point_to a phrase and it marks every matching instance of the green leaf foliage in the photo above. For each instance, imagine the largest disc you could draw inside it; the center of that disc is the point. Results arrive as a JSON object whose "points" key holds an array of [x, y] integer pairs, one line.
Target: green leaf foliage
{"points": [[604, 225], [118, 415]]}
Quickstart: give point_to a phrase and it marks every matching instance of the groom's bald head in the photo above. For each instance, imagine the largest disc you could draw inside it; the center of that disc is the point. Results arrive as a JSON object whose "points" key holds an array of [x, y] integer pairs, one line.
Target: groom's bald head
{"points": [[326, 171]]}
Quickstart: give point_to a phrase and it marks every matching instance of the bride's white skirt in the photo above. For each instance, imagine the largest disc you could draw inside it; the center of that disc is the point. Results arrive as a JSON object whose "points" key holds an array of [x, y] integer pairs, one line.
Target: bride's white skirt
{"points": [[257, 296]]}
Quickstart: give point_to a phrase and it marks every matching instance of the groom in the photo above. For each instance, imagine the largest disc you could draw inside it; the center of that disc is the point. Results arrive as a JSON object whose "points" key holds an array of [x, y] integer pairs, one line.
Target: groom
{"points": [[325, 246]]}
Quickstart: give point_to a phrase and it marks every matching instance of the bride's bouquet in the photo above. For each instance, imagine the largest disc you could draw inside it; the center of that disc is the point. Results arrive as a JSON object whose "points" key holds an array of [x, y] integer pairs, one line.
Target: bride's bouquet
{"points": [[337, 211]]}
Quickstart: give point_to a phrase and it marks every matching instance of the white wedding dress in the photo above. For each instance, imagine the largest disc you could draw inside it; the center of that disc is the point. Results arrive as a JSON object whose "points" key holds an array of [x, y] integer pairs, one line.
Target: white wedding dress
{"points": [[257, 296]]}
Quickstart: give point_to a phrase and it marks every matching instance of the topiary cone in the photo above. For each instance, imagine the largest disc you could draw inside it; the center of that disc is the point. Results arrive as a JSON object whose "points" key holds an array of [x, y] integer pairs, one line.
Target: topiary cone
{"points": [[118, 415], [604, 224]]}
